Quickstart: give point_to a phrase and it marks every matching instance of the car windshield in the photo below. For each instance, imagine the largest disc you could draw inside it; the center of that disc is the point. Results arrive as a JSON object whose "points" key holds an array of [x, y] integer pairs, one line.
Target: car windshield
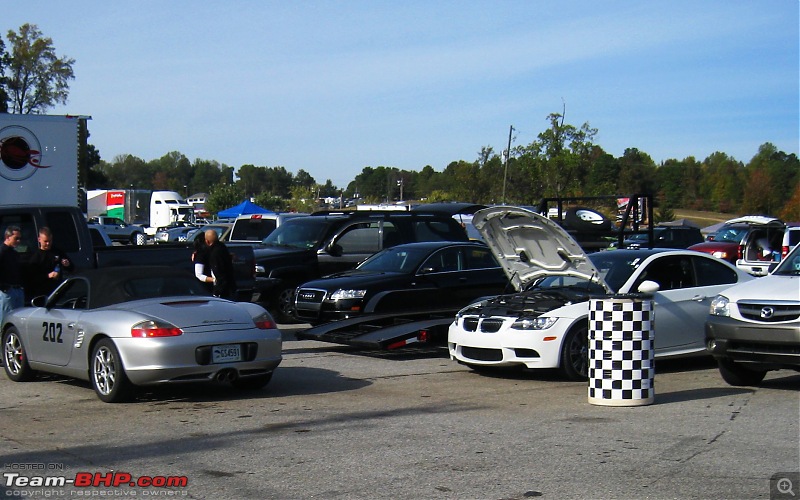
{"points": [[614, 267], [147, 287], [790, 265], [571, 282], [302, 233], [732, 234], [395, 260]]}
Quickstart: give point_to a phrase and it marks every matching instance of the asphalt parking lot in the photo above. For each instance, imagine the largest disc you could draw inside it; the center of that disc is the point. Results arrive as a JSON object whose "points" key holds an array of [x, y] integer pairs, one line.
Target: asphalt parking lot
{"points": [[336, 422]]}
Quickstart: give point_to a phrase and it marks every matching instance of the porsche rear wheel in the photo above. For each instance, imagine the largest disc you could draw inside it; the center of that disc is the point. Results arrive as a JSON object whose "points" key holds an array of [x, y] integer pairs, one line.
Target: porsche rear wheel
{"points": [[107, 373], [575, 353], [15, 359]]}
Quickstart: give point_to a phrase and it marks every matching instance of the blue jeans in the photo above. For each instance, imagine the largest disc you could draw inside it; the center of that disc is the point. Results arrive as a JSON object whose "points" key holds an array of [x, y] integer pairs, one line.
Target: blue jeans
{"points": [[14, 298]]}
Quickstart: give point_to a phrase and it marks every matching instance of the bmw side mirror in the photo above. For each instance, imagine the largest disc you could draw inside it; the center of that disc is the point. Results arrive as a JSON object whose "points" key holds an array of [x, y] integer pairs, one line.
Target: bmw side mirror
{"points": [[649, 287]]}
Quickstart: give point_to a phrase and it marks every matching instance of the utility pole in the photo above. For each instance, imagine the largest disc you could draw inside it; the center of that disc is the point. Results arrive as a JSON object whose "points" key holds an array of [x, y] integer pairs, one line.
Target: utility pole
{"points": [[508, 157], [400, 183]]}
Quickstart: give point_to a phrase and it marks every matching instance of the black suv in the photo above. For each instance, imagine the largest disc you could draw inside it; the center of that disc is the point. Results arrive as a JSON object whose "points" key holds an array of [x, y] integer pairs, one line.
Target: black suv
{"points": [[664, 237], [307, 248]]}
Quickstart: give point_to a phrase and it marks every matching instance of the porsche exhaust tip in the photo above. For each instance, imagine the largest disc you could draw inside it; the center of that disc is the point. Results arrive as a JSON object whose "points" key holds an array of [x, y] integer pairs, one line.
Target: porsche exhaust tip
{"points": [[228, 375]]}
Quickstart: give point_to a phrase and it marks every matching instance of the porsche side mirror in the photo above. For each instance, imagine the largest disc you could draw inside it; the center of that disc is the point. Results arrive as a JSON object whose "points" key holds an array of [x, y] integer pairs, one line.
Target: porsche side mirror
{"points": [[39, 301]]}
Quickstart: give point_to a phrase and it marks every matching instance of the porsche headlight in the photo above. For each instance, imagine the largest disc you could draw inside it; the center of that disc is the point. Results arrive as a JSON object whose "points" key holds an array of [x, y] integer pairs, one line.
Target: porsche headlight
{"points": [[720, 306], [348, 294], [540, 323]]}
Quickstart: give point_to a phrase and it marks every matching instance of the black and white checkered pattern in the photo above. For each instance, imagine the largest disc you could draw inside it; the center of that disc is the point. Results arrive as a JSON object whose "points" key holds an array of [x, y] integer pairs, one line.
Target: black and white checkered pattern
{"points": [[621, 367]]}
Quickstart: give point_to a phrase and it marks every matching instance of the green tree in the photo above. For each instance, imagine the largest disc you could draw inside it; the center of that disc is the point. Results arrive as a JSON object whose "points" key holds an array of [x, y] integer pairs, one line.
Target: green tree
{"points": [[273, 203], [722, 184], [637, 173], [5, 60], [223, 196], [770, 180], [39, 79], [601, 180], [565, 151]]}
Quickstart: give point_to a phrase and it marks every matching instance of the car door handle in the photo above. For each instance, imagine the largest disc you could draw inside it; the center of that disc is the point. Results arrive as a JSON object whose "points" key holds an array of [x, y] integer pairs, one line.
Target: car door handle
{"points": [[699, 298], [71, 325]]}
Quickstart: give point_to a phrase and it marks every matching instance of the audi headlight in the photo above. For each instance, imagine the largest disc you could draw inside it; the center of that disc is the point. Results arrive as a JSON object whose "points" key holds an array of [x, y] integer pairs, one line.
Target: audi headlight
{"points": [[348, 294], [540, 323], [720, 306]]}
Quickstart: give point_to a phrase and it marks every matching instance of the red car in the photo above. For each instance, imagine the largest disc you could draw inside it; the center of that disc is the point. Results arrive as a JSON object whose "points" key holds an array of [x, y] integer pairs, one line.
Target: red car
{"points": [[724, 244], [752, 243]]}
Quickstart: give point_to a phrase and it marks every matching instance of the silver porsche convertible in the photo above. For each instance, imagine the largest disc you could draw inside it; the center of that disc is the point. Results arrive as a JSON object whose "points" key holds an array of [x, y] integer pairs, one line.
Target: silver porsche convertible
{"points": [[133, 326]]}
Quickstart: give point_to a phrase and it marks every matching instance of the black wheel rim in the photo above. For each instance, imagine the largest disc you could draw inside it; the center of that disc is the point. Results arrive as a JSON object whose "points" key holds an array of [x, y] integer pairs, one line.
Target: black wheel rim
{"points": [[578, 350]]}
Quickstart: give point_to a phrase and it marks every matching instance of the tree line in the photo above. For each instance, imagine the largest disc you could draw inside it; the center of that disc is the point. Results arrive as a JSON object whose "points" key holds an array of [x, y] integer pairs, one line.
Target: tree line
{"points": [[563, 160]]}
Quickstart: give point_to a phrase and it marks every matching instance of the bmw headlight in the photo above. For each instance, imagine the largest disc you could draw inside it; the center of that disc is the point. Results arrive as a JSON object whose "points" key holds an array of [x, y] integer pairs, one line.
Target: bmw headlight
{"points": [[720, 306], [348, 294], [540, 323]]}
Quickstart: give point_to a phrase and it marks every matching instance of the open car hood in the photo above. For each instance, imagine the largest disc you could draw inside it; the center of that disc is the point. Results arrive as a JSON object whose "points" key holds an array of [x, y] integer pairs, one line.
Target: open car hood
{"points": [[529, 246]]}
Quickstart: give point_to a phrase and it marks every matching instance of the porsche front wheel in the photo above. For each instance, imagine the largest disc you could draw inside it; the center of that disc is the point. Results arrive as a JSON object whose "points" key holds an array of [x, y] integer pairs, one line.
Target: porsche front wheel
{"points": [[107, 373], [15, 359]]}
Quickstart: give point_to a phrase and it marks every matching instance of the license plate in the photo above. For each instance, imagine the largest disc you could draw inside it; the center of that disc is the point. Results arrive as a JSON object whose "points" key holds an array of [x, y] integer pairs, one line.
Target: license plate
{"points": [[226, 353]]}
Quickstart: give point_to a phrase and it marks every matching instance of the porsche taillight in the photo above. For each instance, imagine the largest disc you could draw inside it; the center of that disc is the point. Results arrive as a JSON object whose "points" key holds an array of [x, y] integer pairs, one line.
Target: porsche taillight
{"points": [[264, 322], [150, 329]]}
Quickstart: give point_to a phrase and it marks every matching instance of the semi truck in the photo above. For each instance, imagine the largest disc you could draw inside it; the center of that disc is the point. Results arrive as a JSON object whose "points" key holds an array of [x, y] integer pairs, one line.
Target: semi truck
{"points": [[150, 209]]}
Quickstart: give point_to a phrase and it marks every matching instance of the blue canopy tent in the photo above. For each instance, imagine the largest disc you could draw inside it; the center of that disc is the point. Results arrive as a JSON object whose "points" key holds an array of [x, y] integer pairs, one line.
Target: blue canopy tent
{"points": [[244, 208]]}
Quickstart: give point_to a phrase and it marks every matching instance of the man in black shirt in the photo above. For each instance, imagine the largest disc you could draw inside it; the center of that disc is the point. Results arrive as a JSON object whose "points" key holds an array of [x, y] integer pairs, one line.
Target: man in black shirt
{"points": [[221, 264], [12, 295], [45, 267]]}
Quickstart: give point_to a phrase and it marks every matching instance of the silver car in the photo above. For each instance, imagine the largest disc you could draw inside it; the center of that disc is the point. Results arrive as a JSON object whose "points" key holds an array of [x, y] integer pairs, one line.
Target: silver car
{"points": [[141, 325]]}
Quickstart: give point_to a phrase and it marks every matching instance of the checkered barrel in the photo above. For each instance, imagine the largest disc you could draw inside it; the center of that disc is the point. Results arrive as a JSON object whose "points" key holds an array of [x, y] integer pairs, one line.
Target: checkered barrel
{"points": [[621, 365]]}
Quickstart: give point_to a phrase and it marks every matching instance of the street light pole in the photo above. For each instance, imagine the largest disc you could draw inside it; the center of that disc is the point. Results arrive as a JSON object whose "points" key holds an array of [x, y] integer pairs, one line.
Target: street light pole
{"points": [[508, 158]]}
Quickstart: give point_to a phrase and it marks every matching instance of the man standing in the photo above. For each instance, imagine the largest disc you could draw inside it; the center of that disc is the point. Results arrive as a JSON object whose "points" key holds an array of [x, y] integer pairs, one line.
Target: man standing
{"points": [[221, 264], [45, 266], [12, 295]]}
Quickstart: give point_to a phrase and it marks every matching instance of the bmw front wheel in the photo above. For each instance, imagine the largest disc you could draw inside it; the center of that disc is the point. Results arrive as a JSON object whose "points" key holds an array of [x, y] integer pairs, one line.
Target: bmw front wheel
{"points": [[575, 353]]}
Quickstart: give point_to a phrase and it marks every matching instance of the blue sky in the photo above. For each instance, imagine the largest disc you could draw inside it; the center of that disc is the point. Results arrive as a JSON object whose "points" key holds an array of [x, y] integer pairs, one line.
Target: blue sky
{"points": [[334, 86]]}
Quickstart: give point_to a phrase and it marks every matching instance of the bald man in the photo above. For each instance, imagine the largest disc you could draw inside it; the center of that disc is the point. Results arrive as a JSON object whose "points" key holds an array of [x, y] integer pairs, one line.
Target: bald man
{"points": [[221, 264]]}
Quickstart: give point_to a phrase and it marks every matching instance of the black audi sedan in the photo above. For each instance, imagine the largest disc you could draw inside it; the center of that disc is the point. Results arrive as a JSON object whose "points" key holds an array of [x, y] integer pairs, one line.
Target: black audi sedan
{"points": [[409, 278]]}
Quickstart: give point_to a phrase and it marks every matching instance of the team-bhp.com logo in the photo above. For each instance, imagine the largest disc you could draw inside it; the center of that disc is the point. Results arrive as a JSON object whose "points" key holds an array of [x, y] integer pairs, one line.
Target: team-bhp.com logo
{"points": [[94, 479], [20, 153]]}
